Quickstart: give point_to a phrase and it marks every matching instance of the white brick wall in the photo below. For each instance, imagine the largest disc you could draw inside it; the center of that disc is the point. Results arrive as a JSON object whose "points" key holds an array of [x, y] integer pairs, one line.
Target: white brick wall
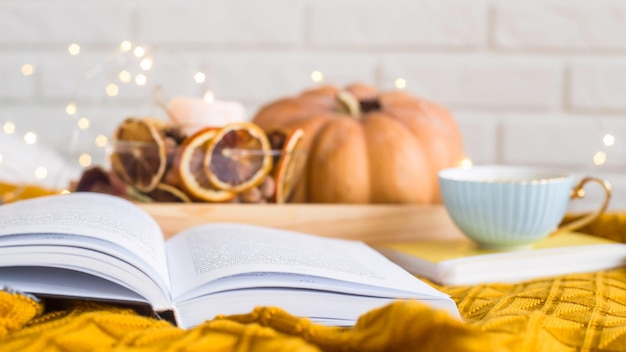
{"points": [[533, 82], [559, 25], [598, 84], [229, 23], [51, 23], [399, 25], [479, 81]]}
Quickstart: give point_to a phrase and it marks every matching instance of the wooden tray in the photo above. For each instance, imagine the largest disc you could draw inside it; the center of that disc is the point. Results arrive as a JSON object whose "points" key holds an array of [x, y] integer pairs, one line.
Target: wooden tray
{"points": [[369, 223]]}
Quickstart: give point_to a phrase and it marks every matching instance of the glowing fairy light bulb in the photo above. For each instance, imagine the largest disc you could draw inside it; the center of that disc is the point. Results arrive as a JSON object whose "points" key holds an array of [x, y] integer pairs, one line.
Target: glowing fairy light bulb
{"points": [[41, 173], [125, 76], [30, 138], [73, 49], [65, 191], [317, 76], [84, 160], [139, 51], [141, 80], [71, 108], [101, 141], [209, 97], [112, 90], [400, 83], [199, 77], [608, 140], [126, 46], [8, 127], [28, 69], [466, 163], [146, 64], [83, 123], [599, 158]]}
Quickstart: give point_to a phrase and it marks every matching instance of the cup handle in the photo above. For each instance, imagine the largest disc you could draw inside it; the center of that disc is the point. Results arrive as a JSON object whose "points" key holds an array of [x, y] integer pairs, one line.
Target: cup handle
{"points": [[577, 193]]}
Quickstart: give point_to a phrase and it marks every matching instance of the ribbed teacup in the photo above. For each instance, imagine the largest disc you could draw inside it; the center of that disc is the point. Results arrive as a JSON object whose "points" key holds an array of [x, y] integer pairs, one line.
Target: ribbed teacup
{"points": [[501, 206]]}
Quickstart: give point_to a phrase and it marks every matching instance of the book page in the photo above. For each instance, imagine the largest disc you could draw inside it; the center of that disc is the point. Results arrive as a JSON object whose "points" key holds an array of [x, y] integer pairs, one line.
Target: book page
{"points": [[74, 261], [62, 283], [89, 215], [210, 252]]}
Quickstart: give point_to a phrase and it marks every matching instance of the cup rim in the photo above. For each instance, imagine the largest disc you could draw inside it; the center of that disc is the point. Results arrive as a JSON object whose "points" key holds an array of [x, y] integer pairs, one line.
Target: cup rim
{"points": [[525, 174]]}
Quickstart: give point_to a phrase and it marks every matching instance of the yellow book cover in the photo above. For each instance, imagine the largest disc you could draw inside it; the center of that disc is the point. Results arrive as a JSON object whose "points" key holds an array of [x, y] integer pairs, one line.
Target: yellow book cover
{"points": [[462, 262]]}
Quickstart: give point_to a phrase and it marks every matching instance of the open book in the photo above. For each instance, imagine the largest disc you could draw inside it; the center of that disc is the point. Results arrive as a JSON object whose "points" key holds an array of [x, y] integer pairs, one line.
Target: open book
{"points": [[463, 262], [96, 246]]}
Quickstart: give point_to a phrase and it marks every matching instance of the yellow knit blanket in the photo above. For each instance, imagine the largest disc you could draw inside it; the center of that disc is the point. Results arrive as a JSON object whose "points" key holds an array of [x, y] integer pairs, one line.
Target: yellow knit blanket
{"points": [[583, 312]]}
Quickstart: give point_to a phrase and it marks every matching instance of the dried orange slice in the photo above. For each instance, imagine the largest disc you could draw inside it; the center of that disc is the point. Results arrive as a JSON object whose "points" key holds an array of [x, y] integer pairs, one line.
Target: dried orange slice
{"points": [[168, 193], [289, 166], [138, 155], [189, 162], [238, 157]]}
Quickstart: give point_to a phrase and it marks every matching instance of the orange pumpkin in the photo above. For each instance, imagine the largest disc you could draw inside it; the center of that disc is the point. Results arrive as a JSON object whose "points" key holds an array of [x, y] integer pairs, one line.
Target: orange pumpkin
{"points": [[367, 146]]}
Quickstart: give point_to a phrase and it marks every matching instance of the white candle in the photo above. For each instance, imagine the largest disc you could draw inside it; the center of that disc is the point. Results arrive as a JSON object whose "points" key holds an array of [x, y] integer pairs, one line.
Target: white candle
{"points": [[193, 114]]}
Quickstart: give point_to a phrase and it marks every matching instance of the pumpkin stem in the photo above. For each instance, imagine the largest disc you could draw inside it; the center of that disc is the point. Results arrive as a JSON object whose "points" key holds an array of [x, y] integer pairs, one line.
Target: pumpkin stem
{"points": [[349, 103], [370, 105], [354, 107]]}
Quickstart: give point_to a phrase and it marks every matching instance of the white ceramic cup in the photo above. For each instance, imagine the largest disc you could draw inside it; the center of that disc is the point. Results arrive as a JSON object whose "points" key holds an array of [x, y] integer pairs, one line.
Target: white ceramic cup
{"points": [[502, 207]]}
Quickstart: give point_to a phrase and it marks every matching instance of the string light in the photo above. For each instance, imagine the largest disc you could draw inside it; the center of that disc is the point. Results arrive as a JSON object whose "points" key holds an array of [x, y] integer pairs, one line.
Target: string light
{"points": [[199, 77], [9, 127], [83, 123], [400, 83], [125, 76], [146, 64], [28, 69], [84, 160], [41, 173], [466, 163], [126, 46], [317, 76], [74, 49], [599, 158], [139, 51], [608, 140], [71, 108], [30, 138], [65, 191], [112, 90], [101, 141], [141, 80], [209, 97]]}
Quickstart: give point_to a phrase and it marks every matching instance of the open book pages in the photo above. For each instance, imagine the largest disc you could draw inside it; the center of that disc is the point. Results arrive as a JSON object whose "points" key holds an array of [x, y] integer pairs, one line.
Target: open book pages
{"points": [[102, 236], [462, 262], [101, 247]]}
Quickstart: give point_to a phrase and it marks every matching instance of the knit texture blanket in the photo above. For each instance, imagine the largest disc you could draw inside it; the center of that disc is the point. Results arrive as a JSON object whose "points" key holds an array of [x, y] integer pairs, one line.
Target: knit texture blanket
{"points": [[582, 312]]}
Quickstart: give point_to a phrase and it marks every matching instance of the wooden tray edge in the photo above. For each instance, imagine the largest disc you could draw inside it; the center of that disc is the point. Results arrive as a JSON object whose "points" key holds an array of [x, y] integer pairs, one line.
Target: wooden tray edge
{"points": [[368, 223]]}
